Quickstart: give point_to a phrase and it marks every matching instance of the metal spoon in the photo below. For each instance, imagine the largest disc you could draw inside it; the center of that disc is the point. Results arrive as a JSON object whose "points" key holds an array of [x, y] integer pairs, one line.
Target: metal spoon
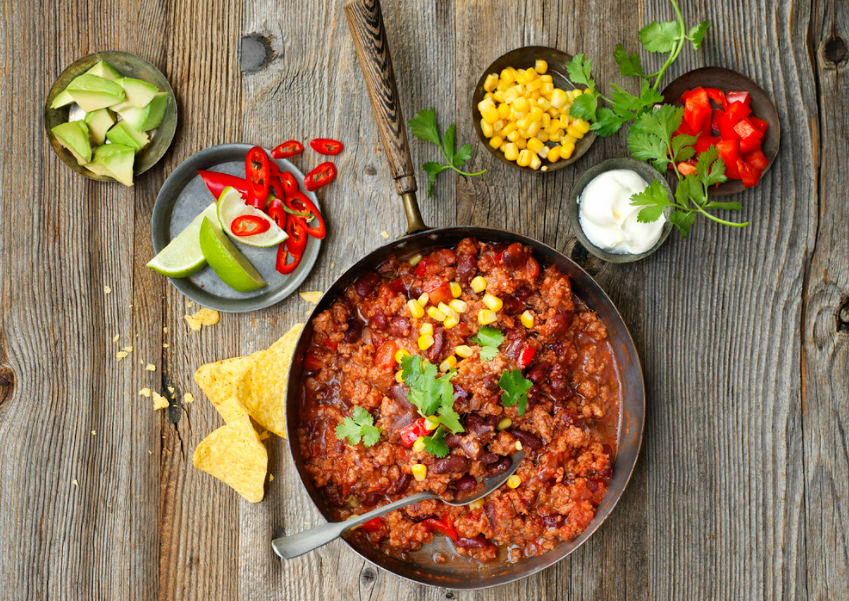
{"points": [[294, 545]]}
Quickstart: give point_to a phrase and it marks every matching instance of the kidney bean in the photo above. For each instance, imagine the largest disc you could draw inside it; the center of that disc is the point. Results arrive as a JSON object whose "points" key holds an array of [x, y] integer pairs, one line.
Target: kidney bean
{"points": [[453, 441], [399, 485], [435, 351], [378, 321], [459, 393], [415, 291], [499, 467], [533, 397], [488, 457], [470, 446], [512, 305], [422, 517], [553, 521], [478, 426], [334, 495], [522, 293], [453, 464], [532, 441], [369, 499], [559, 387], [498, 248], [467, 267], [466, 483], [355, 330], [607, 449], [400, 326], [592, 484], [366, 283], [490, 382], [607, 472], [515, 333], [560, 322], [515, 256], [537, 372], [478, 542], [388, 267], [493, 420], [399, 393]]}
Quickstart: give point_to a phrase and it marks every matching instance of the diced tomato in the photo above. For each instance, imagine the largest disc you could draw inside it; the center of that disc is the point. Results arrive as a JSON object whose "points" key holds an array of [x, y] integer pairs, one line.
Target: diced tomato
{"points": [[444, 526], [401, 284], [738, 110], [729, 152], [686, 169], [331, 344], [748, 174], [696, 114], [705, 142], [438, 290], [726, 127], [718, 96], [526, 356], [411, 433], [311, 363], [757, 159], [718, 114], [742, 97], [421, 268], [759, 124], [372, 525], [385, 354]]}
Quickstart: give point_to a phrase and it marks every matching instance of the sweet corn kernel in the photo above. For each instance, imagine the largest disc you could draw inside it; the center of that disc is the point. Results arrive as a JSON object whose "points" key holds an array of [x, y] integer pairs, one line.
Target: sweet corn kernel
{"points": [[543, 152], [486, 128], [555, 137], [510, 128], [567, 139], [554, 154], [503, 146], [581, 125], [425, 341], [498, 125], [540, 66], [558, 98], [424, 299], [533, 86], [567, 150], [524, 158], [415, 259], [511, 153], [399, 377], [435, 314], [544, 104], [546, 78], [547, 88], [400, 354], [521, 143], [496, 142], [508, 75], [475, 504], [513, 481], [431, 423], [503, 110], [448, 363], [546, 121], [543, 136], [456, 289], [446, 310], [521, 104], [518, 445], [490, 114], [489, 96], [451, 321], [486, 103], [458, 305], [492, 301], [514, 135], [419, 445], [498, 96], [420, 472], [490, 82], [535, 162], [573, 131], [416, 309], [478, 284], [534, 129], [527, 319], [427, 328], [511, 95], [535, 145], [486, 317], [464, 351], [504, 423]]}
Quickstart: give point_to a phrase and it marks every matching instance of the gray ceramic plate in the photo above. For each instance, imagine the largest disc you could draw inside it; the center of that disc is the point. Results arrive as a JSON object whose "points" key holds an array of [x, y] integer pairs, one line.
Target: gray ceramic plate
{"points": [[129, 65], [184, 196]]}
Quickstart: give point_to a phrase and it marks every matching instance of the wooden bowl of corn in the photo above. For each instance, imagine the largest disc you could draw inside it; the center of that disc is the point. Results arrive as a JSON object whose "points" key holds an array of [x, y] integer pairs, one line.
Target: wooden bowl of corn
{"points": [[520, 109]]}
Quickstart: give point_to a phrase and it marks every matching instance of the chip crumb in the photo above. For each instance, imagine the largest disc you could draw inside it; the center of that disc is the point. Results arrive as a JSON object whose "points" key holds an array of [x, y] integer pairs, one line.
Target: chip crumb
{"points": [[121, 354], [74, 482], [159, 402], [188, 398], [332, 265], [189, 304], [204, 317], [311, 297], [129, 349], [265, 435], [145, 392], [150, 367], [94, 432], [165, 345], [149, 452], [107, 290], [271, 477], [385, 234], [165, 329], [116, 337], [170, 389]]}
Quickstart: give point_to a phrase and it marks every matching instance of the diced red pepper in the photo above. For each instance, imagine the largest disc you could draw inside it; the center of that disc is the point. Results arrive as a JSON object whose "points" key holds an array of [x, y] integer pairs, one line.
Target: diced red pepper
{"points": [[738, 110], [742, 97], [444, 526], [705, 142], [686, 169], [729, 152], [718, 114], [385, 354], [249, 225], [726, 127], [697, 115], [331, 344], [438, 290], [526, 356], [757, 159], [411, 433], [216, 182], [750, 138], [684, 130], [320, 176], [718, 96], [759, 124], [287, 149], [311, 363], [373, 525], [748, 174], [326, 146]]}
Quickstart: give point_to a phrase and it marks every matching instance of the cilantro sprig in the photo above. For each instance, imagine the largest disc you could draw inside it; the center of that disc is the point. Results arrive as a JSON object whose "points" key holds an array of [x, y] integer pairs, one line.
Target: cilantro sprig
{"points": [[359, 427], [424, 127], [435, 443], [652, 139], [433, 395], [515, 387], [489, 340]]}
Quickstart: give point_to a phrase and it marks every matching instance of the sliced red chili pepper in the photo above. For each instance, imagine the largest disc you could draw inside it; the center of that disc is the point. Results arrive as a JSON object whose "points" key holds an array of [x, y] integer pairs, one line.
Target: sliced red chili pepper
{"points": [[216, 182], [249, 225], [311, 363], [282, 256], [372, 525], [444, 526], [287, 149], [527, 355], [326, 146], [320, 176], [290, 184], [411, 433], [277, 213], [258, 173], [296, 243], [743, 97], [292, 201]]}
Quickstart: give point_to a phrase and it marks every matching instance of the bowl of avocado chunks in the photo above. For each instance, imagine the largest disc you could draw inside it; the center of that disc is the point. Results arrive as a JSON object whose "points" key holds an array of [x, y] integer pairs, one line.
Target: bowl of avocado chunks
{"points": [[111, 116]]}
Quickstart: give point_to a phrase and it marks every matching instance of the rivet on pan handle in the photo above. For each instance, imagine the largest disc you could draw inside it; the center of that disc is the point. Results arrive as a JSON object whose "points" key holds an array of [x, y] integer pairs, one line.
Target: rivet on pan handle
{"points": [[366, 23]]}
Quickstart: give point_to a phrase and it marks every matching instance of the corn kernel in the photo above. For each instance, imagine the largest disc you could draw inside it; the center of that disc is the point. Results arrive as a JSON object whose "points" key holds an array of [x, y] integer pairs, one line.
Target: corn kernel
{"points": [[554, 154], [496, 142], [527, 319], [533, 86], [524, 158], [540, 66], [518, 445], [446, 310], [521, 104], [543, 152], [503, 146], [424, 299], [419, 445], [490, 114], [547, 88], [507, 75], [435, 314], [510, 128], [511, 95], [521, 143], [456, 289], [458, 305], [478, 284], [399, 377], [485, 104], [558, 98], [451, 321], [419, 472], [448, 363], [544, 104], [581, 125], [546, 78], [535, 162], [425, 341], [535, 145], [416, 309], [476, 504], [567, 139], [486, 317], [489, 96], [430, 423], [503, 110], [415, 259], [463, 351], [534, 129], [567, 150], [514, 135], [546, 121], [555, 137], [573, 131], [400, 354], [504, 423], [492, 301], [490, 82], [513, 481], [486, 128], [427, 328], [511, 153]]}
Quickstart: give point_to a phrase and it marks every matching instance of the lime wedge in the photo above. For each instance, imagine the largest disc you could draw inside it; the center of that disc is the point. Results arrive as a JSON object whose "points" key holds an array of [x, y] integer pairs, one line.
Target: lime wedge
{"points": [[226, 260], [232, 205], [183, 255]]}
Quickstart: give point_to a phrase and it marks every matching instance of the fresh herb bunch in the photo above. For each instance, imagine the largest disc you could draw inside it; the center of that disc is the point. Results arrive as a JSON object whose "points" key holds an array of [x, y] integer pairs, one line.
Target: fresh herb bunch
{"points": [[652, 139], [358, 427], [432, 395], [424, 127], [515, 387]]}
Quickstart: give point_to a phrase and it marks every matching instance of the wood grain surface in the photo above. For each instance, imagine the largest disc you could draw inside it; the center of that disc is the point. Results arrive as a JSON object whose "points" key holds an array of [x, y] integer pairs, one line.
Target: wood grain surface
{"points": [[742, 489]]}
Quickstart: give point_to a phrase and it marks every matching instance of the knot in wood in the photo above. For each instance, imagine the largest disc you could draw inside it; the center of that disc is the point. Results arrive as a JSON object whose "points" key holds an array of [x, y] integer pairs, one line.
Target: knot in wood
{"points": [[843, 317], [835, 50], [255, 53], [591, 264], [368, 576], [7, 383]]}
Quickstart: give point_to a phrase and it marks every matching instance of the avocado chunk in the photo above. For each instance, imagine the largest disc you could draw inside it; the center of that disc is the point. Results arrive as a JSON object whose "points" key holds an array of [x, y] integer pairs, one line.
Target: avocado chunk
{"points": [[104, 70], [126, 134], [97, 168], [135, 116], [99, 122], [116, 160], [92, 92], [156, 112], [139, 93], [73, 135], [63, 98]]}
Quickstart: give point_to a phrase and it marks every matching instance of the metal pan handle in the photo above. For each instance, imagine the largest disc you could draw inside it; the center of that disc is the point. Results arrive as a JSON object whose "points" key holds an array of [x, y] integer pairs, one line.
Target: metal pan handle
{"points": [[366, 23]]}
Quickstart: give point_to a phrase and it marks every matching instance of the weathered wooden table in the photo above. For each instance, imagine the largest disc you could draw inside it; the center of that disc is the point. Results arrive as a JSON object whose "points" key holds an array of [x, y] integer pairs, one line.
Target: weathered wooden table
{"points": [[742, 490]]}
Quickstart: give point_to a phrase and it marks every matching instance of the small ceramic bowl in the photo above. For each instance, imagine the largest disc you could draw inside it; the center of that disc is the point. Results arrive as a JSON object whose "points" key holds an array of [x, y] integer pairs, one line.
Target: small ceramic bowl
{"points": [[648, 173], [524, 58], [128, 65], [728, 80]]}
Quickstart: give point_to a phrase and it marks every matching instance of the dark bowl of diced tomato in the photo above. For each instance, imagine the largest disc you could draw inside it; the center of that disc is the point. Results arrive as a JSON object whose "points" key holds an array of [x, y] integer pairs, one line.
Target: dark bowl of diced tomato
{"points": [[727, 110]]}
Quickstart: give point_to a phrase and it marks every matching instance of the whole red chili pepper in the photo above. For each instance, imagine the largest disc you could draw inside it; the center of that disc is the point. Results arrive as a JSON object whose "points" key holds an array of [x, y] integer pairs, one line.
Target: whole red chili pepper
{"points": [[320, 176], [287, 149], [326, 146], [258, 174], [216, 182], [292, 201]]}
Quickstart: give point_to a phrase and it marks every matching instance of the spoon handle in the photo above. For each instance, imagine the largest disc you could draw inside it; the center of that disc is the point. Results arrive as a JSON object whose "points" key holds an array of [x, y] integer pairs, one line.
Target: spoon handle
{"points": [[294, 545]]}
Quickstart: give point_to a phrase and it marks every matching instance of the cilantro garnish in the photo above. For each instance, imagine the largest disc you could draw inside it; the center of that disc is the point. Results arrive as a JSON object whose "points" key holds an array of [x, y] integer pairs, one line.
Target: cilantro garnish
{"points": [[423, 126], [489, 339], [359, 427], [432, 395], [515, 387], [435, 443]]}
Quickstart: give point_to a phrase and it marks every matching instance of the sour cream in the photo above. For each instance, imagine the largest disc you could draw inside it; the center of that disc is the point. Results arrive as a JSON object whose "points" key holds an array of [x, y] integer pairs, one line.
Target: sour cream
{"points": [[608, 218]]}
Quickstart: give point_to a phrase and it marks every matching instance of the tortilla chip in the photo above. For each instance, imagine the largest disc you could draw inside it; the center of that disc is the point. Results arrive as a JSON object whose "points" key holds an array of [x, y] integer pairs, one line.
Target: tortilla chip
{"points": [[222, 380], [232, 410], [311, 297], [204, 317], [235, 455]]}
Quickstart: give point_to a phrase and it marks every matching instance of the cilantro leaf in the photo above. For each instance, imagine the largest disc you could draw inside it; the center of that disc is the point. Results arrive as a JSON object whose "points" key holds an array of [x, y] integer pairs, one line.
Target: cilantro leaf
{"points": [[682, 147], [649, 95], [660, 36], [423, 126], [427, 391], [650, 214], [646, 147], [623, 99], [629, 65], [463, 155], [435, 443], [682, 221], [697, 33], [608, 122], [653, 199], [710, 169], [450, 419], [579, 71], [489, 339], [433, 169], [584, 107], [358, 427], [682, 192], [448, 142], [515, 387]]}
